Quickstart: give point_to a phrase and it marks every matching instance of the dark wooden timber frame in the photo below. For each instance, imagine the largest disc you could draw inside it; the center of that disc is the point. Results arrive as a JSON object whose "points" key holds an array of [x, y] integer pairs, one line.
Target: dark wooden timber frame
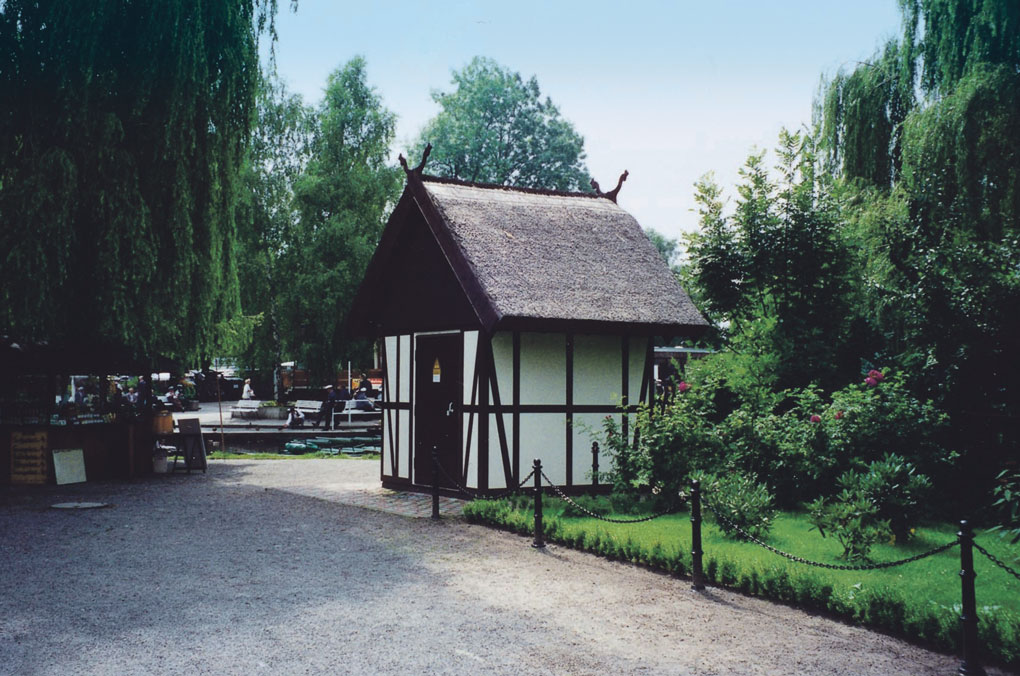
{"points": [[486, 402]]}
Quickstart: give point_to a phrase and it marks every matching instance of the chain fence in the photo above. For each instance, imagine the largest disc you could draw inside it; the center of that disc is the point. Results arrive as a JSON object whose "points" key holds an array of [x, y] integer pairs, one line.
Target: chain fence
{"points": [[475, 495], [593, 515], [991, 557], [820, 564]]}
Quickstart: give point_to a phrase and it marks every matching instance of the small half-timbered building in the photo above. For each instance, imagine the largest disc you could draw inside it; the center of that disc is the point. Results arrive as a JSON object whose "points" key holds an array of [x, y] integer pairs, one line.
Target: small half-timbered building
{"points": [[512, 321]]}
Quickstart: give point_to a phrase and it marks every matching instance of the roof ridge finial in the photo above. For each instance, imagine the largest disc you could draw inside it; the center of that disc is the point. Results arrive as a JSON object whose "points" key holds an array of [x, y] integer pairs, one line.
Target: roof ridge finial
{"points": [[417, 170], [611, 195]]}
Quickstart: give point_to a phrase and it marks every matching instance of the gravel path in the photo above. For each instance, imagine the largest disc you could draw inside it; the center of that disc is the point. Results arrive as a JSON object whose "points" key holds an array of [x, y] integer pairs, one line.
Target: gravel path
{"points": [[240, 571]]}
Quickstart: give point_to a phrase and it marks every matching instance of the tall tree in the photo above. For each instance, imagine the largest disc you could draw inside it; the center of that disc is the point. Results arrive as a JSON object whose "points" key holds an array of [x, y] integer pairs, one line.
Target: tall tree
{"points": [[928, 136], [779, 258], [122, 128], [494, 127], [342, 199], [267, 216]]}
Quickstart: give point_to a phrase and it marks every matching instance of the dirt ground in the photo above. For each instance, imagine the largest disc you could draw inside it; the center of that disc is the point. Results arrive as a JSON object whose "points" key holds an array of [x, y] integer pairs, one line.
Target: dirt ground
{"points": [[255, 568]]}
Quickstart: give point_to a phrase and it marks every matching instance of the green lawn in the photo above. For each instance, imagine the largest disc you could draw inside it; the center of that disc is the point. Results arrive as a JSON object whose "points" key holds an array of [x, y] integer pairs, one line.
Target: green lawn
{"points": [[918, 600], [937, 577]]}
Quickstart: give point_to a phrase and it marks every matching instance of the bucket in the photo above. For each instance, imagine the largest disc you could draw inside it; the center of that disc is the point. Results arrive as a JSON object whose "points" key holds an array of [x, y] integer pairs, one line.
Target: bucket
{"points": [[163, 423], [159, 462]]}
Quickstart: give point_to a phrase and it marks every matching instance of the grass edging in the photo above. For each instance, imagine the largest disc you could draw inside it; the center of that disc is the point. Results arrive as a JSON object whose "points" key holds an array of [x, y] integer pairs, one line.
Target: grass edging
{"points": [[883, 608]]}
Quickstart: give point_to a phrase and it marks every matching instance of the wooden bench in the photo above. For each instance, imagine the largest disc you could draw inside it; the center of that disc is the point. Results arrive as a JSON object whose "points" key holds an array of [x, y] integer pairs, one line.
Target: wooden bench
{"points": [[308, 406], [245, 408]]}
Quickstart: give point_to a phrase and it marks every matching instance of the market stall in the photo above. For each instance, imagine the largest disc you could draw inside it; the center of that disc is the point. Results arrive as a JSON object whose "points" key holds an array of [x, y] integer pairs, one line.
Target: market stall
{"points": [[56, 398]]}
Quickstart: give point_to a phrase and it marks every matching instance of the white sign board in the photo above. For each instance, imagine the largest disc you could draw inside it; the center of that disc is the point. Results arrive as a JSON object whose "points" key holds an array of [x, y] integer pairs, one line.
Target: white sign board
{"points": [[69, 465]]}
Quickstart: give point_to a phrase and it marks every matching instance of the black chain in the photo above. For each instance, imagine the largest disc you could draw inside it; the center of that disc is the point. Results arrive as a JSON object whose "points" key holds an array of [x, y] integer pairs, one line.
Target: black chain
{"points": [[830, 566], [991, 557], [480, 496], [593, 515]]}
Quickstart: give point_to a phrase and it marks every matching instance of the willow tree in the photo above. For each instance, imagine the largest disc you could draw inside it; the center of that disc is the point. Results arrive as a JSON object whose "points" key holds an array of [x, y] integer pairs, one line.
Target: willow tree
{"points": [[928, 136], [122, 128]]}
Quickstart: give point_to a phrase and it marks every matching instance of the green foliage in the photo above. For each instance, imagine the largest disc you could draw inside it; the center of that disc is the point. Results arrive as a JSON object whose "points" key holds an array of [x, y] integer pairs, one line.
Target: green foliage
{"points": [[853, 520], [267, 218], [597, 505], [494, 127], [1007, 504], [779, 259], [668, 248], [122, 128], [342, 198], [896, 489], [741, 500], [865, 423], [926, 136]]}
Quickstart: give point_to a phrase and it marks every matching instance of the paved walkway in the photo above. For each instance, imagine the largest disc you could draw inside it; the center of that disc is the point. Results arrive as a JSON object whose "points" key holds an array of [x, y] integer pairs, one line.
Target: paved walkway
{"points": [[354, 483]]}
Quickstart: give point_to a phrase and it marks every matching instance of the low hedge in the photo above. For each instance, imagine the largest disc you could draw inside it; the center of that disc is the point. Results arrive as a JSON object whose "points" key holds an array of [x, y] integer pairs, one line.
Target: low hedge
{"points": [[885, 608]]}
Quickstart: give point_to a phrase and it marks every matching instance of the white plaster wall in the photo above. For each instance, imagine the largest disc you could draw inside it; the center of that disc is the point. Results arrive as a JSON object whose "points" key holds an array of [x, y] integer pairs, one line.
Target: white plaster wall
{"points": [[503, 355], [470, 351], [638, 345], [544, 436], [403, 420], [404, 395], [387, 465], [598, 369], [472, 463], [585, 425], [497, 479], [392, 343], [543, 368]]}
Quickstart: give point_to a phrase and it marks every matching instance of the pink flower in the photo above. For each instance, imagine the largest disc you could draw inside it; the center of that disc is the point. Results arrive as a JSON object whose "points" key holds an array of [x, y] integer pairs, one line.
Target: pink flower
{"points": [[816, 418], [839, 415], [683, 386], [877, 375], [871, 381]]}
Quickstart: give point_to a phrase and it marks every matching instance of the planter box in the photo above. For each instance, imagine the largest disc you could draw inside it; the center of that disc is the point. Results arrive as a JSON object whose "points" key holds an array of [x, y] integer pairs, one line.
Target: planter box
{"points": [[272, 413]]}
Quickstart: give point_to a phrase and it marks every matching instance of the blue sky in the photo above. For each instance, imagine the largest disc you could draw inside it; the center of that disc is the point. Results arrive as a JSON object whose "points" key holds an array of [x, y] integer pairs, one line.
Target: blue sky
{"points": [[666, 90]]}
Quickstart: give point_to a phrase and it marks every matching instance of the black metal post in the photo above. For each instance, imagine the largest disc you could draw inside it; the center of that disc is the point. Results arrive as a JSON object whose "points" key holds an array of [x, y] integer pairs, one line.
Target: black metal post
{"points": [[971, 663], [539, 535], [594, 463], [697, 573], [435, 484]]}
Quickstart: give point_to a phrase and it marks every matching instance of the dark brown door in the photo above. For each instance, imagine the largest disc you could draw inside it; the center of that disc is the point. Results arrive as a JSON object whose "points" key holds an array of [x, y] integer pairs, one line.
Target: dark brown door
{"points": [[438, 392]]}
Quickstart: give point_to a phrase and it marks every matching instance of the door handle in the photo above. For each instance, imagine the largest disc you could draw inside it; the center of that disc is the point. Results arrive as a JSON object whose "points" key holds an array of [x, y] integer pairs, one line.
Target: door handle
{"points": [[449, 409]]}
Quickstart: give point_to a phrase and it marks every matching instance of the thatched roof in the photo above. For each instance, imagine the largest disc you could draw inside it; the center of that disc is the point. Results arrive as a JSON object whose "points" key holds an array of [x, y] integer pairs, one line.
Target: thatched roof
{"points": [[534, 258]]}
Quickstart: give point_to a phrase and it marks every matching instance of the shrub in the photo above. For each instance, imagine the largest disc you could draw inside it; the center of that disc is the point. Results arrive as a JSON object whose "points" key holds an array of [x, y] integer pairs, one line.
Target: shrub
{"points": [[853, 520], [876, 421], [1007, 504], [743, 501], [596, 505], [895, 487]]}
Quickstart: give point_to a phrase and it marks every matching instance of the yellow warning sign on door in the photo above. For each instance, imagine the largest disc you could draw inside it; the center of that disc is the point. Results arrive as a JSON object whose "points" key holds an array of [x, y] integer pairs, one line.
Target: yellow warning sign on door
{"points": [[436, 371]]}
